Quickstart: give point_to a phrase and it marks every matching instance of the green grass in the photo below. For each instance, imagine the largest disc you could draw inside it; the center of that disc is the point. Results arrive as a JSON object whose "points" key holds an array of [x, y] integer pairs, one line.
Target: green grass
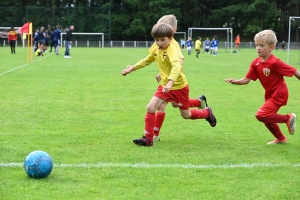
{"points": [[84, 113]]}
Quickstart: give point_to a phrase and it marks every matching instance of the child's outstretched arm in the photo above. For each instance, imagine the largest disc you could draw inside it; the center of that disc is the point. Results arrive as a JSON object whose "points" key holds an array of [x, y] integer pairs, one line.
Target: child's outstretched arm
{"points": [[242, 81], [297, 74], [128, 69]]}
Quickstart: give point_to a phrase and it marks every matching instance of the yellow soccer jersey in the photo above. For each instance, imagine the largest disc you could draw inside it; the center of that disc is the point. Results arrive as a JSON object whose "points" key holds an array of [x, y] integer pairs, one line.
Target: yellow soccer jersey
{"points": [[175, 43], [198, 45], [38, 52], [168, 64]]}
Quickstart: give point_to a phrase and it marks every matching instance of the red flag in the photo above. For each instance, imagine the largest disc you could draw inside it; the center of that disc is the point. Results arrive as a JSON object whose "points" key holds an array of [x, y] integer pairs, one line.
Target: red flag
{"points": [[25, 28]]}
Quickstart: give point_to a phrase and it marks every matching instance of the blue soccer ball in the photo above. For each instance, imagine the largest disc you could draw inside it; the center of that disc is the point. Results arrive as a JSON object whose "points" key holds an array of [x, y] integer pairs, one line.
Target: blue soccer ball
{"points": [[38, 164]]}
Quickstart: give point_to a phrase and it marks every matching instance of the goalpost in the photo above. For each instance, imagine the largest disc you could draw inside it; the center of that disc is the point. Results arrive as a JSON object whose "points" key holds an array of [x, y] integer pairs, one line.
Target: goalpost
{"points": [[291, 18], [100, 43], [181, 33], [228, 43]]}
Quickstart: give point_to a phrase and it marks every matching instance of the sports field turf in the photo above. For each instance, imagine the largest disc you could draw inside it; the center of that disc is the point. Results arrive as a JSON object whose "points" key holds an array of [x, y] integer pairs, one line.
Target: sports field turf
{"points": [[85, 114]]}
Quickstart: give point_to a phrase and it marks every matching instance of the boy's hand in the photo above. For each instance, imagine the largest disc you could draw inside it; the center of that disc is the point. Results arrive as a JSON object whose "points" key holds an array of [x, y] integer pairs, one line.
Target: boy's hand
{"points": [[168, 86], [127, 70], [158, 78], [229, 80]]}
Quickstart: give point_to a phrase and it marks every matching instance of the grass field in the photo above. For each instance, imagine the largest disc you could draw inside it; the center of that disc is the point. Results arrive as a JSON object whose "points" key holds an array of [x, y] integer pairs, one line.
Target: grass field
{"points": [[85, 114]]}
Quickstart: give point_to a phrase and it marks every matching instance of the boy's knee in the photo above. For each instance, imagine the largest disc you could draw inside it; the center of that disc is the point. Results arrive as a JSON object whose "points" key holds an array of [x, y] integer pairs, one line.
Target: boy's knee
{"points": [[259, 118], [175, 105], [185, 115], [150, 109]]}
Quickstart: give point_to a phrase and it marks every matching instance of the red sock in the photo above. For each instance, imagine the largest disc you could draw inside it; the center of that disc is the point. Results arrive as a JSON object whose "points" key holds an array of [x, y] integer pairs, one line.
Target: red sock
{"points": [[159, 120], [275, 130], [199, 114], [149, 125], [194, 103], [273, 119]]}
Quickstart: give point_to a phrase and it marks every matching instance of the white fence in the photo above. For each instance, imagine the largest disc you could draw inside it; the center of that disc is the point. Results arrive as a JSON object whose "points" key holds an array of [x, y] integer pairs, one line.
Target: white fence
{"points": [[143, 44]]}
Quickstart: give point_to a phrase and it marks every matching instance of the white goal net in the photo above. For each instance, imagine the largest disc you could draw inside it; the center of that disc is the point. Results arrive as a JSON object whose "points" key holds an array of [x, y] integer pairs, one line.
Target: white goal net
{"points": [[85, 39], [224, 35]]}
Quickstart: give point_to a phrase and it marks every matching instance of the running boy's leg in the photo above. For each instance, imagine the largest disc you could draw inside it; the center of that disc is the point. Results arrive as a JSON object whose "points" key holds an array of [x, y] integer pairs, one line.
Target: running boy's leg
{"points": [[160, 115], [181, 97], [268, 115], [147, 139]]}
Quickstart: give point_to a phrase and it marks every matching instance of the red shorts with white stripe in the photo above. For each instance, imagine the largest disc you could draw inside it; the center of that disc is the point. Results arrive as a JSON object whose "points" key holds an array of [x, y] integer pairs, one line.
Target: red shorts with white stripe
{"points": [[181, 96]]}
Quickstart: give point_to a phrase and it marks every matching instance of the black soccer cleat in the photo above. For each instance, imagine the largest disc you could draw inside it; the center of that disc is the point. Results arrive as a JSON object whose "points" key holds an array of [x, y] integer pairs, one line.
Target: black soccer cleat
{"points": [[211, 117], [203, 102], [144, 141]]}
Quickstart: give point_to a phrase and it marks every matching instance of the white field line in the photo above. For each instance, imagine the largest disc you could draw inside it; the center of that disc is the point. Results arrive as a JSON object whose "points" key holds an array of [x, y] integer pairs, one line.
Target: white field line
{"points": [[19, 67], [147, 165]]}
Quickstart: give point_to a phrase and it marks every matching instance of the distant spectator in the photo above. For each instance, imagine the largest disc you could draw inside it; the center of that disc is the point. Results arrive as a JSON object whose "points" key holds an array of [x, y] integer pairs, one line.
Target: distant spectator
{"points": [[182, 43], [237, 43], [283, 45], [68, 41], [12, 37]]}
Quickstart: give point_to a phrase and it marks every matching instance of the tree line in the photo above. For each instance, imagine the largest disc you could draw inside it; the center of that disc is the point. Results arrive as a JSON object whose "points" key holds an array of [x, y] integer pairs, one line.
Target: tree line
{"points": [[133, 19]]}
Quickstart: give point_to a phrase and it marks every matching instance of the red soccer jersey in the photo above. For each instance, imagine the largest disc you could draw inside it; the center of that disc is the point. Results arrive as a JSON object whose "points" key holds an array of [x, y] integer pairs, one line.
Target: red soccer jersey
{"points": [[12, 35], [271, 76]]}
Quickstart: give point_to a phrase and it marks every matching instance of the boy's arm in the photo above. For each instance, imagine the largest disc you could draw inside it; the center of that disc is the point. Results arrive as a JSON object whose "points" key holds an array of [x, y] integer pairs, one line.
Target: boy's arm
{"points": [[297, 74], [143, 63], [242, 81]]}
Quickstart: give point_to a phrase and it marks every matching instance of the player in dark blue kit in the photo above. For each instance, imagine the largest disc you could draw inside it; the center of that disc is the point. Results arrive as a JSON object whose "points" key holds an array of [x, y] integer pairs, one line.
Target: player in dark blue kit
{"points": [[51, 38], [215, 44], [56, 39], [42, 38], [36, 39], [189, 44]]}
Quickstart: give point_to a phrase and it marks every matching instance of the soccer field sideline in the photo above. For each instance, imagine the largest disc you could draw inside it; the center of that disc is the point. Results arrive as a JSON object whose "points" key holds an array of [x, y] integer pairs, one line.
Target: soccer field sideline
{"points": [[160, 165], [21, 66]]}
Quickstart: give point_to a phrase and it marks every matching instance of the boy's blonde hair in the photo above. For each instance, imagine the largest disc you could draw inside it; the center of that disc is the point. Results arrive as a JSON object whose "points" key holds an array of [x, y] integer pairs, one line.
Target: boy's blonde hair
{"points": [[162, 30], [168, 19], [266, 36]]}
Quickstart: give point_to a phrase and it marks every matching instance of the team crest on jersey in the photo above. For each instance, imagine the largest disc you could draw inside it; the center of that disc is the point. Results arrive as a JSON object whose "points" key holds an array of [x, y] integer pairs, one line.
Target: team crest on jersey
{"points": [[266, 71], [165, 55]]}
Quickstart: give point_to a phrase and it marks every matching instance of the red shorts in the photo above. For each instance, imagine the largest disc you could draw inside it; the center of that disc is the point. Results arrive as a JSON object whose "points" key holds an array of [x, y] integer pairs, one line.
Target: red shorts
{"points": [[269, 108], [181, 96]]}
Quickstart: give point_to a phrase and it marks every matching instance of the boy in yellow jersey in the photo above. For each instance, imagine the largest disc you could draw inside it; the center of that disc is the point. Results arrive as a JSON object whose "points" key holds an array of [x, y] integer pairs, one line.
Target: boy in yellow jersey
{"points": [[160, 114], [174, 85], [198, 46], [39, 51]]}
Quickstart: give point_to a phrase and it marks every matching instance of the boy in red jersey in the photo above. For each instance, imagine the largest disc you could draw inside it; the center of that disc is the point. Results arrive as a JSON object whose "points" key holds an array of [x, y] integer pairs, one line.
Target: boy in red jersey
{"points": [[271, 71], [12, 37], [174, 85]]}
